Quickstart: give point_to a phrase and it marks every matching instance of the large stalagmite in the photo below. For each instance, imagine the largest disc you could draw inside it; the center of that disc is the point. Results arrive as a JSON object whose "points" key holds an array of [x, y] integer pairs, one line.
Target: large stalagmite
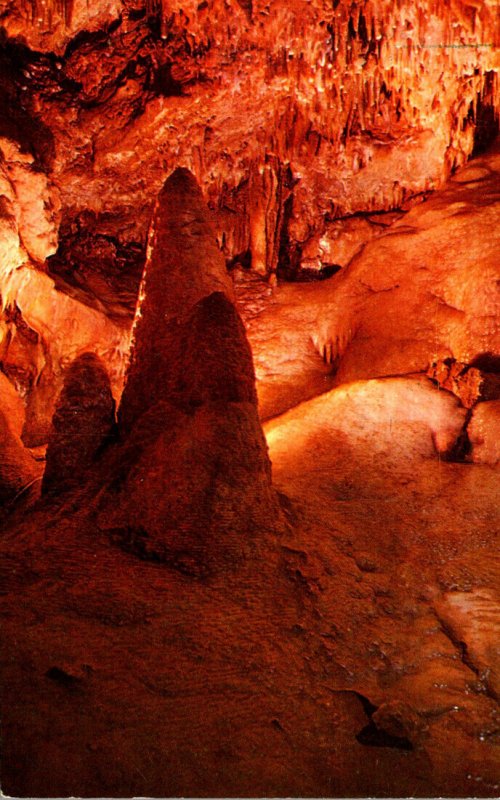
{"points": [[193, 477], [184, 266]]}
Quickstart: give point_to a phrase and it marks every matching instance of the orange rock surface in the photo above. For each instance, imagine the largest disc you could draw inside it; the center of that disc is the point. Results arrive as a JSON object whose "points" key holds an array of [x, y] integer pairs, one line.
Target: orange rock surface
{"points": [[267, 232]]}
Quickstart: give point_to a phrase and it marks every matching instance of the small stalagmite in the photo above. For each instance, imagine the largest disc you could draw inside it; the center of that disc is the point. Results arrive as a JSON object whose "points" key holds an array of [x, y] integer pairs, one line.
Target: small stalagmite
{"points": [[193, 477], [82, 423]]}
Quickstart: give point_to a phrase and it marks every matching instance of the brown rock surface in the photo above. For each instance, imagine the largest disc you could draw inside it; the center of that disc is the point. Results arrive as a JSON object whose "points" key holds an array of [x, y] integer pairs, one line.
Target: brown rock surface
{"points": [[184, 266], [198, 485], [18, 469], [484, 433], [300, 123], [244, 99], [412, 297], [262, 681], [12, 405], [81, 426]]}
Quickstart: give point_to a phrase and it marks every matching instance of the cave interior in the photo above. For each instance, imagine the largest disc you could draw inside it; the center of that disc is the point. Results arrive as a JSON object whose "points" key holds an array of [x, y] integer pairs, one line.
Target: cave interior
{"points": [[250, 398]]}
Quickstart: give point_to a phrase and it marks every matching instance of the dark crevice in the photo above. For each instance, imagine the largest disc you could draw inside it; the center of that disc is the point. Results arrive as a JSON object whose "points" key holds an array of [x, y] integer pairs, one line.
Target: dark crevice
{"points": [[289, 254], [62, 677], [164, 84], [462, 447], [243, 260], [368, 214], [305, 275], [93, 38], [487, 362], [371, 736], [487, 120], [247, 6], [17, 122]]}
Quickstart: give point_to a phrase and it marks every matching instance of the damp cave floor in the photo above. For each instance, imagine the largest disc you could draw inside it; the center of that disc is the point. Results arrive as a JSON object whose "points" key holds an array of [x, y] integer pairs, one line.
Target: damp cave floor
{"points": [[354, 655]]}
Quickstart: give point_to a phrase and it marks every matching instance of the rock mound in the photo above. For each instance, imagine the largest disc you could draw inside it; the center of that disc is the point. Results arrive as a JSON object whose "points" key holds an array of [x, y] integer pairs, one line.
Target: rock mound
{"points": [[82, 423]]}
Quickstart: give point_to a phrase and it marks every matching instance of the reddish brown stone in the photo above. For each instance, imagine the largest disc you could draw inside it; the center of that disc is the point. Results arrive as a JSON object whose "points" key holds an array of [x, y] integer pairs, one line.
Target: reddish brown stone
{"points": [[184, 266], [18, 470], [199, 478], [82, 423]]}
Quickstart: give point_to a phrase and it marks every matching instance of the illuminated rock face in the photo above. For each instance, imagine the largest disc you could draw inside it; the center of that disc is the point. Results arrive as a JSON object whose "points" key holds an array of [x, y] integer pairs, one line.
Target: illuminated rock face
{"points": [[288, 116], [195, 476], [415, 299], [18, 470], [484, 433], [81, 426], [292, 119]]}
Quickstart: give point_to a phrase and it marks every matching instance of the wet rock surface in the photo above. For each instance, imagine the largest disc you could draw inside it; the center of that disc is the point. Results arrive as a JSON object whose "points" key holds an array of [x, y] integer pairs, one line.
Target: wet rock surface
{"points": [[414, 297]]}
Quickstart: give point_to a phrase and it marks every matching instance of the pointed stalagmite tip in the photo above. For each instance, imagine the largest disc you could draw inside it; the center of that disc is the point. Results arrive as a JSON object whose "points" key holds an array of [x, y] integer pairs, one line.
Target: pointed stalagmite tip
{"points": [[181, 178], [181, 187]]}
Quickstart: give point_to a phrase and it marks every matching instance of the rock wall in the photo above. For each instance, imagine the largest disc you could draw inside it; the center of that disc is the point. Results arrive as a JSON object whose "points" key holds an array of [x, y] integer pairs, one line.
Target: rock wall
{"points": [[299, 123]]}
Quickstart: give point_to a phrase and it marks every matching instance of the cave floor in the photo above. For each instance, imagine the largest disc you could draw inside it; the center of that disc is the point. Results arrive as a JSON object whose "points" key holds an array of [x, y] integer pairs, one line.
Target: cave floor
{"points": [[355, 652], [353, 655]]}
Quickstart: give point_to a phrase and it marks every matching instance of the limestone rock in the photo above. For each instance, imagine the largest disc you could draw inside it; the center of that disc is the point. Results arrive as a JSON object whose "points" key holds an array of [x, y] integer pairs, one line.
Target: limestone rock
{"points": [[467, 382], [17, 467], [82, 423], [195, 476], [18, 470], [11, 405], [398, 719], [184, 266], [484, 433]]}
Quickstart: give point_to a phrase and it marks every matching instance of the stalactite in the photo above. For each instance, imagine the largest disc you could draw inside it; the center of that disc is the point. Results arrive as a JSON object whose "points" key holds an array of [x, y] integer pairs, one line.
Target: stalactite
{"points": [[48, 12]]}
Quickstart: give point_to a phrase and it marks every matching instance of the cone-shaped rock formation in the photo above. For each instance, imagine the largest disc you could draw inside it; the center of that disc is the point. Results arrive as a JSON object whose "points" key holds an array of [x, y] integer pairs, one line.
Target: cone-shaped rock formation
{"points": [[193, 475], [82, 423], [184, 265]]}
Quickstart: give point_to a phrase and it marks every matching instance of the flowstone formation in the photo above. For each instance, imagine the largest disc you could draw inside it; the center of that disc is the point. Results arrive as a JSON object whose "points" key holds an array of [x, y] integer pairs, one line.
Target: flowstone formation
{"points": [[413, 300], [192, 483]]}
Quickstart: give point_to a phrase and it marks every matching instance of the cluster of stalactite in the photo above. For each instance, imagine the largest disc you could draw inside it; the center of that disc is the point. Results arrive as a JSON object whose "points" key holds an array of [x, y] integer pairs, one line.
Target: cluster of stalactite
{"points": [[338, 77], [332, 82], [384, 70], [47, 12]]}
